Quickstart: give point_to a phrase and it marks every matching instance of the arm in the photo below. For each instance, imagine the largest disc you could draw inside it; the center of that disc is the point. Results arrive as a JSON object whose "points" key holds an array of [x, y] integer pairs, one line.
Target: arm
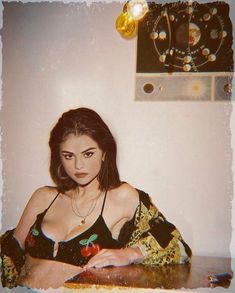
{"points": [[12, 259], [12, 242], [159, 241], [147, 238], [117, 214], [45, 273]]}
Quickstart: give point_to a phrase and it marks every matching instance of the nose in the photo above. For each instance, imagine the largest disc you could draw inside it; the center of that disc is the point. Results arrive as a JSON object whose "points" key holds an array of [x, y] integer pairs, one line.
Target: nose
{"points": [[79, 163]]}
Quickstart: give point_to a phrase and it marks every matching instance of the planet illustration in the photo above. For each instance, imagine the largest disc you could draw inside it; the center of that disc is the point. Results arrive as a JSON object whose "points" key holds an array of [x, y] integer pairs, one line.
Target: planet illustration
{"points": [[188, 34], [194, 34]]}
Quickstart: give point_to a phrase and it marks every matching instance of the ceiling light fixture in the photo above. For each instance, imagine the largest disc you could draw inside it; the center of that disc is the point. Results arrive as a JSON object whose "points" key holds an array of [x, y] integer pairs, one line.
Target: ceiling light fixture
{"points": [[126, 26], [137, 9], [127, 21]]}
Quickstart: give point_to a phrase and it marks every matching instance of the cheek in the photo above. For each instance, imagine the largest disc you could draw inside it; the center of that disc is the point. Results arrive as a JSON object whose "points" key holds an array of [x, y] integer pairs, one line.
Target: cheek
{"points": [[66, 165], [96, 165]]}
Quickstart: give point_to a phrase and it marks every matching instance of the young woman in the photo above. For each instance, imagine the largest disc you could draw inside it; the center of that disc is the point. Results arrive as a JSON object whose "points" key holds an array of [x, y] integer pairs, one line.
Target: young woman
{"points": [[90, 218]]}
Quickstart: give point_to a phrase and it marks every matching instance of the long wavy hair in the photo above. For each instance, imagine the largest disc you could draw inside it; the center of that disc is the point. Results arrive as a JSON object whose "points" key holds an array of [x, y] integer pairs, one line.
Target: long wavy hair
{"points": [[83, 121]]}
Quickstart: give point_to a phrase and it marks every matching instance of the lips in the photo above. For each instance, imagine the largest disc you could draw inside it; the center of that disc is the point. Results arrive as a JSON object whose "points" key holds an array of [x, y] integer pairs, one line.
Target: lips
{"points": [[81, 175]]}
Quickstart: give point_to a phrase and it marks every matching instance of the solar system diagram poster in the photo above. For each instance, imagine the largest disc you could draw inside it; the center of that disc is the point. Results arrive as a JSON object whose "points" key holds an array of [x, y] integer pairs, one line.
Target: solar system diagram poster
{"points": [[185, 39]]}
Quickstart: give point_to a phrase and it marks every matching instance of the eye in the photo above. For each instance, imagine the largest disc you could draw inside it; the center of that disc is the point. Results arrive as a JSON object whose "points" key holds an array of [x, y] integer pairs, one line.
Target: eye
{"points": [[88, 154], [68, 156]]}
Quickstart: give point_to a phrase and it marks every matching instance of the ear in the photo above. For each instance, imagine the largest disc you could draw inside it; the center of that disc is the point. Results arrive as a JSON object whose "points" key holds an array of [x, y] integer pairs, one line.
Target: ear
{"points": [[103, 157]]}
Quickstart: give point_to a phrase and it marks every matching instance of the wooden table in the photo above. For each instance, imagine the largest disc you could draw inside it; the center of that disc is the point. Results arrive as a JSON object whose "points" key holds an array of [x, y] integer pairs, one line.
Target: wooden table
{"points": [[189, 276]]}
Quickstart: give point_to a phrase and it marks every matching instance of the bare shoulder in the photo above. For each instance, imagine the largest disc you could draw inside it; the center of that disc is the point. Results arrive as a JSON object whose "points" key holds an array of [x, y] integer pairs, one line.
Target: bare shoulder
{"points": [[39, 201], [126, 191], [42, 197], [125, 196]]}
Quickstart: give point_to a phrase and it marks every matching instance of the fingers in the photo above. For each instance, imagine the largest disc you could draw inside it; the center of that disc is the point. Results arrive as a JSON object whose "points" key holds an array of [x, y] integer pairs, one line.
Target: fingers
{"points": [[102, 252], [98, 263], [107, 257], [101, 259]]}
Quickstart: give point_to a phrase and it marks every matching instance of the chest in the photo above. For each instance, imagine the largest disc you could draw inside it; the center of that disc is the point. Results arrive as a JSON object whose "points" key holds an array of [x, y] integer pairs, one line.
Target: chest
{"points": [[76, 250], [62, 222]]}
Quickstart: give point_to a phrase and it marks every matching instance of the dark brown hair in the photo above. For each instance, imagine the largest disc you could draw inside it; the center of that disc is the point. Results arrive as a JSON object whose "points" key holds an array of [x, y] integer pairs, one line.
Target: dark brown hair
{"points": [[83, 121]]}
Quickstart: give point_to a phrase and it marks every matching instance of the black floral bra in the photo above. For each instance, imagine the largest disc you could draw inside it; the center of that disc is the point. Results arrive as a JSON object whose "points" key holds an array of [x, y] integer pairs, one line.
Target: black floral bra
{"points": [[77, 250]]}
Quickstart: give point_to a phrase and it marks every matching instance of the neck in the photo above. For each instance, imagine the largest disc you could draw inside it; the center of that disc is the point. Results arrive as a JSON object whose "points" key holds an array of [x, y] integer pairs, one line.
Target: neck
{"points": [[89, 190]]}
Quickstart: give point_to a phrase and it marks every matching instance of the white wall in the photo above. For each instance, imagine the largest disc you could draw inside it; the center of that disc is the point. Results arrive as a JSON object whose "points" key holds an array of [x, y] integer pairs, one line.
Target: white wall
{"points": [[59, 56]]}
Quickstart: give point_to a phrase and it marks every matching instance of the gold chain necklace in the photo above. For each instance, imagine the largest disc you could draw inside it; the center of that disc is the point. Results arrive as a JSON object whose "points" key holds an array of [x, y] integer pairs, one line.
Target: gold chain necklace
{"points": [[90, 210]]}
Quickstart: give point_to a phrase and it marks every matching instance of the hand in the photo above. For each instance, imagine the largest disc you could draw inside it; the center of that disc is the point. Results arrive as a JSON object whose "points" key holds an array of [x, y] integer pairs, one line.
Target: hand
{"points": [[114, 257]]}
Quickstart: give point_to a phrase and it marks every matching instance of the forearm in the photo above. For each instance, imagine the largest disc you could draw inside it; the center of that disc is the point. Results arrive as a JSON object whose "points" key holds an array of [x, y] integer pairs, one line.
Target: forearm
{"points": [[134, 254], [12, 259], [44, 274], [174, 253]]}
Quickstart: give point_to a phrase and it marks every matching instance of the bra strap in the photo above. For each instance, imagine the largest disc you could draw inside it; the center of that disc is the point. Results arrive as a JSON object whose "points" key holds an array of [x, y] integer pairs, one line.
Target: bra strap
{"points": [[103, 202], [53, 201]]}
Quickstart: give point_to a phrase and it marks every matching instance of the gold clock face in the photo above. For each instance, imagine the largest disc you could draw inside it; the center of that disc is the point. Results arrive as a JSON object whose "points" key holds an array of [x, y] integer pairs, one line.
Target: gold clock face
{"points": [[189, 36]]}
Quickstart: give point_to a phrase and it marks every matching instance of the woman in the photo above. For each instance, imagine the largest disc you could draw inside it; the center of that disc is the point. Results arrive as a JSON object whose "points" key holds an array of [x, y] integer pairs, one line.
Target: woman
{"points": [[90, 218]]}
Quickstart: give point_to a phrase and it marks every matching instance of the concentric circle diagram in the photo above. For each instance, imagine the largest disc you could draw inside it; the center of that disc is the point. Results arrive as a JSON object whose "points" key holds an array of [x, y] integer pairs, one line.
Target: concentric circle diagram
{"points": [[189, 37]]}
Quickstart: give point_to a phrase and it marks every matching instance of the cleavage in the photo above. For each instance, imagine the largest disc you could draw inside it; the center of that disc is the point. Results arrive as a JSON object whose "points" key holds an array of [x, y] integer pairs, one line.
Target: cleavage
{"points": [[66, 238]]}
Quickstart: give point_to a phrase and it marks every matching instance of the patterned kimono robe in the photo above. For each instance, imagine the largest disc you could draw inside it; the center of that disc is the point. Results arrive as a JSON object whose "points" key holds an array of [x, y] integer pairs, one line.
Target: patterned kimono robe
{"points": [[159, 241]]}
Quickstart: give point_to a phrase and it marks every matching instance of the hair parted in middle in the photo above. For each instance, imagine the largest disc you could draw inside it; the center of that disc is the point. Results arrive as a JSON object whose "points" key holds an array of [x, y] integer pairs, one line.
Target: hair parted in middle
{"points": [[83, 121]]}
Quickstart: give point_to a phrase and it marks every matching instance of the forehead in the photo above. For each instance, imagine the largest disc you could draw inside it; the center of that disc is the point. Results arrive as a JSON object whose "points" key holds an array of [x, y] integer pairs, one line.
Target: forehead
{"points": [[78, 142]]}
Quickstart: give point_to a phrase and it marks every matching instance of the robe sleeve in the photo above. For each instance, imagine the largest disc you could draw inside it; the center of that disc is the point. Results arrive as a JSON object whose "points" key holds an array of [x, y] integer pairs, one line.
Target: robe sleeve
{"points": [[159, 241], [12, 259]]}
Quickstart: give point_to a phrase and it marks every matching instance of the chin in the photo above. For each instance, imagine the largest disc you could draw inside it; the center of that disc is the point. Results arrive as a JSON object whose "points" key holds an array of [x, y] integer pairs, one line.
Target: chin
{"points": [[87, 181]]}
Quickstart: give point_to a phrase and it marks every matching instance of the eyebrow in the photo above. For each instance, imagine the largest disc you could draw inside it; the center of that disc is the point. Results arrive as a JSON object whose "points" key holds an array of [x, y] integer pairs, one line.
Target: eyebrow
{"points": [[86, 150], [89, 149]]}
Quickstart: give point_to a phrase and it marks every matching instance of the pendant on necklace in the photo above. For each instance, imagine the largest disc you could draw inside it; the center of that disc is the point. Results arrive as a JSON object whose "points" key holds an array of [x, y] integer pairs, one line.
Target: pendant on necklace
{"points": [[82, 222]]}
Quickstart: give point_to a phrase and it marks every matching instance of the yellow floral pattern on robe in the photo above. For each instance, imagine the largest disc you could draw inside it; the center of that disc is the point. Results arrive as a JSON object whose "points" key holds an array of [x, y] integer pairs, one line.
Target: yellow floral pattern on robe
{"points": [[149, 238]]}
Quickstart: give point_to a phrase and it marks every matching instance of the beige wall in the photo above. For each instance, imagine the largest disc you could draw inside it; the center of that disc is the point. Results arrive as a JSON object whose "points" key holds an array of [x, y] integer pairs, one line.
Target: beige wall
{"points": [[59, 56]]}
